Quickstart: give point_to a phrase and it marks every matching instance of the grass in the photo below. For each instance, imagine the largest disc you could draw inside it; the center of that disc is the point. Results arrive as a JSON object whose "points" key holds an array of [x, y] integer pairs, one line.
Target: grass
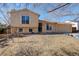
{"points": [[42, 45]]}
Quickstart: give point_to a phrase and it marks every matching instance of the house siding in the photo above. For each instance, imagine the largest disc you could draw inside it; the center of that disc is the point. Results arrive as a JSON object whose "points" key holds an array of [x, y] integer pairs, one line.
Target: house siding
{"points": [[34, 22], [56, 27], [15, 21]]}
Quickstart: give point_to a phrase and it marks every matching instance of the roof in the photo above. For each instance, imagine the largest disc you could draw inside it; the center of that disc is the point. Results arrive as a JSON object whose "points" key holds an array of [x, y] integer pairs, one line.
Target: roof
{"points": [[24, 10], [46, 21], [52, 22]]}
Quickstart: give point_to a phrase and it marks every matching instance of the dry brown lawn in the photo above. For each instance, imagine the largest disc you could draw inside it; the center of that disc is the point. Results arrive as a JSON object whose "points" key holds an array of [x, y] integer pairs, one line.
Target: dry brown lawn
{"points": [[42, 45]]}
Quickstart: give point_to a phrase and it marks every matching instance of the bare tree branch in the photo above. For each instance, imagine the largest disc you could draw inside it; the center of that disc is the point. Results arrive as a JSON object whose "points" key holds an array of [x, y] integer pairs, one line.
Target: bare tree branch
{"points": [[76, 19], [2, 13]]}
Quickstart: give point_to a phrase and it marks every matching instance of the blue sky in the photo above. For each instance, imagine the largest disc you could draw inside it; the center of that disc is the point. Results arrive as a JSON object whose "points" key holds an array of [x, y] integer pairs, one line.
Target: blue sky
{"points": [[42, 9]]}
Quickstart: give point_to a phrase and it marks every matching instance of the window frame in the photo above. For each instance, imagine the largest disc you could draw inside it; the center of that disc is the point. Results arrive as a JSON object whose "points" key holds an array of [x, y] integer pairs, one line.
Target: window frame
{"points": [[25, 19]]}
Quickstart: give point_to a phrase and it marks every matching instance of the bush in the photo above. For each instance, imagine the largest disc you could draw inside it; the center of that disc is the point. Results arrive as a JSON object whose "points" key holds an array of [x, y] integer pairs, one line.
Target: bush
{"points": [[2, 30]]}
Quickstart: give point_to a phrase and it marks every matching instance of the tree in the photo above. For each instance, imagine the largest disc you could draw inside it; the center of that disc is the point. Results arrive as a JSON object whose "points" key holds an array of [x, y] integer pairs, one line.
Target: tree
{"points": [[2, 28]]}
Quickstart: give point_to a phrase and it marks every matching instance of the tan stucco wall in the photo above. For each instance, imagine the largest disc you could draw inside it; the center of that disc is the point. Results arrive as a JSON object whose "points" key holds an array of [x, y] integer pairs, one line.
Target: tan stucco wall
{"points": [[63, 28], [16, 18], [25, 30], [35, 30], [44, 27], [57, 27], [13, 30]]}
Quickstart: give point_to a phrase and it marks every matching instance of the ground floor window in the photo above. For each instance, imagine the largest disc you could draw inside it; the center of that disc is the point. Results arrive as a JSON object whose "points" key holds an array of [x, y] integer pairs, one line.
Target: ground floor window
{"points": [[48, 27], [30, 30], [20, 30]]}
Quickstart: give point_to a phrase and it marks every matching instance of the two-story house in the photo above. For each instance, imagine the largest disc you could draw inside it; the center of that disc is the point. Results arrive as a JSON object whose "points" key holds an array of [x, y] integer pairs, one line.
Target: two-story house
{"points": [[26, 21]]}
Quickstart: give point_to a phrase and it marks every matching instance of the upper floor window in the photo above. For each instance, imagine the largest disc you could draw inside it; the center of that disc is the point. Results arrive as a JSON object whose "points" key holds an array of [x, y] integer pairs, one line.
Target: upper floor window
{"points": [[25, 19]]}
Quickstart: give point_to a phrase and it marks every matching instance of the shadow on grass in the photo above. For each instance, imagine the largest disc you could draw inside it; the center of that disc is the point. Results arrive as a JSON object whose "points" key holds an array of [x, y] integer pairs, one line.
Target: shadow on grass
{"points": [[28, 51], [70, 52], [3, 42]]}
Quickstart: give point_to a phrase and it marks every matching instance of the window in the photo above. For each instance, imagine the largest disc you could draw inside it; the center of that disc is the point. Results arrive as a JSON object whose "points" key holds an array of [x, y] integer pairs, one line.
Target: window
{"points": [[50, 28], [47, 26], [25, 19], [30, 30], [20, 30]]}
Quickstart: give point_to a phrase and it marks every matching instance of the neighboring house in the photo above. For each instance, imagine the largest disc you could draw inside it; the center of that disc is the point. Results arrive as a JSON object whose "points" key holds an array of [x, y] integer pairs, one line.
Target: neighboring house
{"points": [[74, 25], [26, 21], [77, 21]]}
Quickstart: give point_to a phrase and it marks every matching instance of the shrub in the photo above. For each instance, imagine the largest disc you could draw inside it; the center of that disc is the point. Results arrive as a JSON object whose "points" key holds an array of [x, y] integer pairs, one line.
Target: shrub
{"points": [[2, 30]]}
